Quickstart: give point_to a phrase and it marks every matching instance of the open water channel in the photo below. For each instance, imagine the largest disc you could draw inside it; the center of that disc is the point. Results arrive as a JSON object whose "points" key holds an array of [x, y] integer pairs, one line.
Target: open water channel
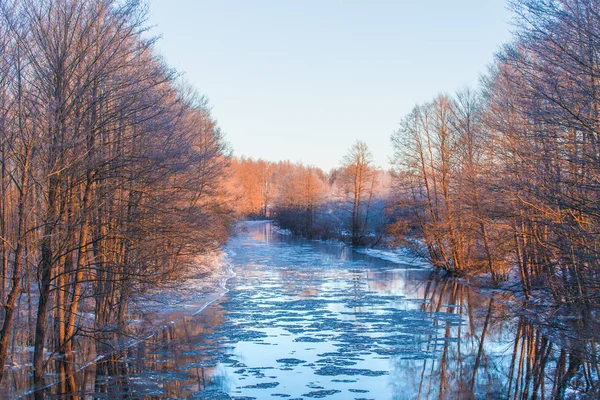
{"points": [[306, 319]]}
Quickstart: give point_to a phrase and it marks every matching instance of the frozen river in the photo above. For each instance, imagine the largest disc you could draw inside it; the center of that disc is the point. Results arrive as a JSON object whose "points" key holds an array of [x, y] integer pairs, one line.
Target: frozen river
{"points": [[307, 319]]}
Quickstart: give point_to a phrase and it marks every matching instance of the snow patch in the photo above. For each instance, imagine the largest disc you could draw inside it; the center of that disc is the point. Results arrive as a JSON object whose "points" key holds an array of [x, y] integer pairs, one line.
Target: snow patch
{"points": [[402, 255]]}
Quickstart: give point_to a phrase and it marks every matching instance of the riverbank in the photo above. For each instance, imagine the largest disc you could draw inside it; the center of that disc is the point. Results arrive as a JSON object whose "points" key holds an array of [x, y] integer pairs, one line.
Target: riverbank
{"points": [[150, 312], [190, 291], [197, 288]]}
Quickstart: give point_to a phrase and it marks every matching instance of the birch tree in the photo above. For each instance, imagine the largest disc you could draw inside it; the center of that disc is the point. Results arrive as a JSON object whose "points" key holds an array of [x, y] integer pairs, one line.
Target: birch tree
{"points": [[358, 181]]}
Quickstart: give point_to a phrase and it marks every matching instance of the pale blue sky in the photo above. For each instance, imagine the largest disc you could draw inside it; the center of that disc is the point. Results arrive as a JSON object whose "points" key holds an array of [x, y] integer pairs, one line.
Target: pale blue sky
{"points": [[303, 80]]}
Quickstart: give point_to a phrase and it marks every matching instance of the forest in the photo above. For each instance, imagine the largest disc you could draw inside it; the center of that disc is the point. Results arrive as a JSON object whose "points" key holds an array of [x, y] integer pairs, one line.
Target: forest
{"points": [[504, 180], [114, 176], [111, 172]]}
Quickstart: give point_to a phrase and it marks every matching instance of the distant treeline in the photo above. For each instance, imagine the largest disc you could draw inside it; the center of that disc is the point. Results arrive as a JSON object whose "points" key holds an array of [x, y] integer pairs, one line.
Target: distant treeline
{"points": [[111, 173], [346, 203]]}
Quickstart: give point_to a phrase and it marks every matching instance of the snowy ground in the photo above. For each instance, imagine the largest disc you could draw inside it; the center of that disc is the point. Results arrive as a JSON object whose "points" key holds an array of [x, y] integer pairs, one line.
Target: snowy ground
{"points": [[156, 309], [402, 256], [199, 286]]}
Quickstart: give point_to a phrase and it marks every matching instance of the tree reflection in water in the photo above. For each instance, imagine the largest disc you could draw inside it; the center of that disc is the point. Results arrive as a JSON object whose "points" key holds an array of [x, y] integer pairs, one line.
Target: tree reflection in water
{"points": [[147, 370], [475, 364], [176, 362]]}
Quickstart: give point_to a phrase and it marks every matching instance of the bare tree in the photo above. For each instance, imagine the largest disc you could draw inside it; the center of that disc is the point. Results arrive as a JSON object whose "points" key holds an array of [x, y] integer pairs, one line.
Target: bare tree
{"points": [[357, 179]]}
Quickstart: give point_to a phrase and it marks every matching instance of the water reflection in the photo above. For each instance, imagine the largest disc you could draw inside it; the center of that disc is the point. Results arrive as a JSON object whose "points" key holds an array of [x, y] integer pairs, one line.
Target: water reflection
{"points": [[311, 319], [495, 354]]}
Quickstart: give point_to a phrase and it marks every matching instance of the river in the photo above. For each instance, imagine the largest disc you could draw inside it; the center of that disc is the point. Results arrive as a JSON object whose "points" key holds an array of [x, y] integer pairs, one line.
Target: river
{"points": [[308, 319]]}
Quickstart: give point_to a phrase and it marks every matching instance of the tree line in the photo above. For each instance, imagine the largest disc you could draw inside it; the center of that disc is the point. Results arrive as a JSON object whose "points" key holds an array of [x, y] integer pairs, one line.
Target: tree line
{"points": [[504, 180], [111, 172], [346, 203]]}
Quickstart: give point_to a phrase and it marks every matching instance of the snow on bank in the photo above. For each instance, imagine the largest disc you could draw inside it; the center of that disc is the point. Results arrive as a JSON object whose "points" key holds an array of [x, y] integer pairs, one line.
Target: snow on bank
{"points": [[401, 255], [252, 222], [280, 231], [187, 297], [189, 291]]}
